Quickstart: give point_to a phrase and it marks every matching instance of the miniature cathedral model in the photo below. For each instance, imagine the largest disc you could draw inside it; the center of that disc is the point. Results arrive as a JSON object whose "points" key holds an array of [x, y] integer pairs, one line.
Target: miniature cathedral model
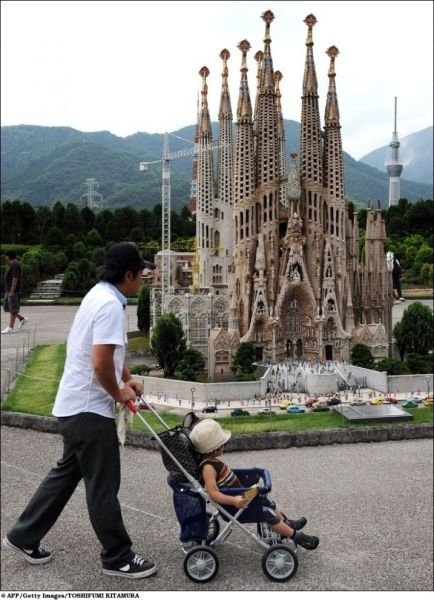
{"points": [[277, 251]]}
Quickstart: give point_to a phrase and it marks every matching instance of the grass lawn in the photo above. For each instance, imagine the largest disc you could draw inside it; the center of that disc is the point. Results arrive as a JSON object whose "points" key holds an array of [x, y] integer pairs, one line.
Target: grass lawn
{"points": [[35, 390]]}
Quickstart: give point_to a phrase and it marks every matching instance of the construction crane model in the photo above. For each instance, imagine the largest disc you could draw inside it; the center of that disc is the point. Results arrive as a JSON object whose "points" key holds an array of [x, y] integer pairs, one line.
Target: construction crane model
{"points": [[166, 205]]}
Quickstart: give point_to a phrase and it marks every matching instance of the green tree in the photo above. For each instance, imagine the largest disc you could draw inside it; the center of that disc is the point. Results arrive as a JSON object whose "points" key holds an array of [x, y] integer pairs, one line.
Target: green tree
{"points": [[73, 220], [423, 256], [414, 333], [426, 274], [399, 338], [417, 363], [361, 356], [135, 235], [79, 277], [168, 342], [392, 366], [419, 217], [93, 238], [29, 231], [88, 217], [242, 361], [54, 239], [144, 309], [31, 273], [191, 364]]}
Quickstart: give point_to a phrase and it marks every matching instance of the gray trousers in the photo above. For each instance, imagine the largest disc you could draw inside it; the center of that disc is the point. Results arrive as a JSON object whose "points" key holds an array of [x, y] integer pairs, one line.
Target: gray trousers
{"points": [[91, 453]]}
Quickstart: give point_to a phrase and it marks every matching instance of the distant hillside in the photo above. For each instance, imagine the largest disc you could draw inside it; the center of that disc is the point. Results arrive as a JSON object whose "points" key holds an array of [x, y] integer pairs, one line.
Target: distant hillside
{"points": [[41, 165], [415, 153]]}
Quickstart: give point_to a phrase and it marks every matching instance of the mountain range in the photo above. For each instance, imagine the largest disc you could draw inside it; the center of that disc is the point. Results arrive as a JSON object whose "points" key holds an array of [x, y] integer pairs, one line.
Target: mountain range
{"points": [[42, 165]]}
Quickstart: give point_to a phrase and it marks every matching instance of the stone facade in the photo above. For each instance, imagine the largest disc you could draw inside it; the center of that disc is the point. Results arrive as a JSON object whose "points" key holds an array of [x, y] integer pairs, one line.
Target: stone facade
{"points": [[276, 241]]}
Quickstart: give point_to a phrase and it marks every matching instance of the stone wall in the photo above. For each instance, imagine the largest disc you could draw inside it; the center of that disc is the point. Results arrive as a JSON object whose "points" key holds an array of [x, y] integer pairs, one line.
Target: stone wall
{"points": [[410, 383], [257, 441], [321, 384], [315, 384], [204, 392], [376, 380]]}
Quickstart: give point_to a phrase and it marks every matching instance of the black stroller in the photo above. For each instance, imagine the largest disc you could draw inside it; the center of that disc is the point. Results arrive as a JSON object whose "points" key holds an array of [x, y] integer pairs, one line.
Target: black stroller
{"points": [[199, 517]]}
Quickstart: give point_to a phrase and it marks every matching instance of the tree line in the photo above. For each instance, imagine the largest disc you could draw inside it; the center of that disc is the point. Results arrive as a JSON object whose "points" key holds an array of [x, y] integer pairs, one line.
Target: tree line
{"points": [[68, 239]]}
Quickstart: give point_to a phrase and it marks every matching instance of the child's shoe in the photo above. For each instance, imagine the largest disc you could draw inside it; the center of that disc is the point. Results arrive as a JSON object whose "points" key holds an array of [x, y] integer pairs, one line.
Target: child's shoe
{"points": [[309, 542], [296, 523]]}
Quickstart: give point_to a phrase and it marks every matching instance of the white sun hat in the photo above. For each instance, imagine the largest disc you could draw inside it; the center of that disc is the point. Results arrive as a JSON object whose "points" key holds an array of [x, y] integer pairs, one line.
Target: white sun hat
{"points": [[208, 435]]}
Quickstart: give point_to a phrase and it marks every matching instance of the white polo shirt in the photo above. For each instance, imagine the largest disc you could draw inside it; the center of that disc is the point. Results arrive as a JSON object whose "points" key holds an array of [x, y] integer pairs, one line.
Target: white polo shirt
{"points": [[99, 320]]}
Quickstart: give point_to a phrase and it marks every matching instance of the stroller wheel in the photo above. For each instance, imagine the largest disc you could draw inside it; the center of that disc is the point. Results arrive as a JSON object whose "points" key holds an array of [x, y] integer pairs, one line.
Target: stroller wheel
{"points": [[213, 528], [279, 563], [201, 564]]}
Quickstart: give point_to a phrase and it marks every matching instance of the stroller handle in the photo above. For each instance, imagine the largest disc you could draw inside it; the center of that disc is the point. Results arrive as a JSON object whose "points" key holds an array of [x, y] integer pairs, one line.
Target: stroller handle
{"points": [[133, 408]]}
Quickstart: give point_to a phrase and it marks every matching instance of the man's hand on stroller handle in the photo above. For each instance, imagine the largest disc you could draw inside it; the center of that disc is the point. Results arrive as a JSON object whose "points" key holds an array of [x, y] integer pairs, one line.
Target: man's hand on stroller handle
{"points": [[140, 403]]}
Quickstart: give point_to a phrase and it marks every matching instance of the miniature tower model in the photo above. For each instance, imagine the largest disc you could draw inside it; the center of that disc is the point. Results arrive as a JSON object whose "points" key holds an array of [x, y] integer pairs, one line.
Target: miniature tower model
{"points": [[394, 167]]}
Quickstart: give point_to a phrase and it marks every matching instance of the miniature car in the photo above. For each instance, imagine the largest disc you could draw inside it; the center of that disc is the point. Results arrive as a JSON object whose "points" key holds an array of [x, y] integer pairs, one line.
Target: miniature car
{"points": [[284, 405], [333, 401], [209, 409], [391, 400], [310, 402], [295, 409], [266, 411], [321, 407], [358, 403], [428, 401], [375, 401], [408, 404], [240, 412]]}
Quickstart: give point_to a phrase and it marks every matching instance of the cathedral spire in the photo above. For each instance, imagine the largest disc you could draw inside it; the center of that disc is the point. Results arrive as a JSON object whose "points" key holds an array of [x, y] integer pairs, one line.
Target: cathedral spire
{"points": [[244, 110], [332, 108], [225, 148], [225, 100], [259, 57], [333, 156], [267, 79], [204, 117], [266, 116], [310, 131], [205, 184], [280, 130], [310, 84]]}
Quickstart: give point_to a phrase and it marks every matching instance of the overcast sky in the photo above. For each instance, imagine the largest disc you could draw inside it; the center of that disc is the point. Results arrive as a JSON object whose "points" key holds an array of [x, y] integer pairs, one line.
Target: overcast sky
{"points": [[126, 66]]}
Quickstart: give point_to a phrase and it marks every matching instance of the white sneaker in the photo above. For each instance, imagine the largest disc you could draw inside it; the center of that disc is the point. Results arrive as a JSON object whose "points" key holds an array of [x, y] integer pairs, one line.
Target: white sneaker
{"points": [[8, 330], [22, 323]]}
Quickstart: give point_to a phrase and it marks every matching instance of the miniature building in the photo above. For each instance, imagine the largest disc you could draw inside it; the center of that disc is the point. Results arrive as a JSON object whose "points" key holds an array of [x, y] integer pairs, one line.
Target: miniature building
{"points": [[277, 252]]}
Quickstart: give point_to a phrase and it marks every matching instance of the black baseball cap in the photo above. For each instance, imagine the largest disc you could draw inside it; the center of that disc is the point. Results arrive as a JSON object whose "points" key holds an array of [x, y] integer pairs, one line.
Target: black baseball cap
{"points": [[125, 256]]}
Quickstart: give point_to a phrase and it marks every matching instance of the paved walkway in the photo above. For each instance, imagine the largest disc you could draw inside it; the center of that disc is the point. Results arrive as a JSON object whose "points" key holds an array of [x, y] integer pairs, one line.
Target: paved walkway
{"points": [[370, 504]]}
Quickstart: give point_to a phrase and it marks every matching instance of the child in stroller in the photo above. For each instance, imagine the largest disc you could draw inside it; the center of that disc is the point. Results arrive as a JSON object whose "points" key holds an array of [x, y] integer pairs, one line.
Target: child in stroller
{"points": [[200, 531], [209, 438]]}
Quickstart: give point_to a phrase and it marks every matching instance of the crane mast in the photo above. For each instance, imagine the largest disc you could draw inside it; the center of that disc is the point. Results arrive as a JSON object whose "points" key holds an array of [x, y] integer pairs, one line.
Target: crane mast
{"points": [[165, 225]]}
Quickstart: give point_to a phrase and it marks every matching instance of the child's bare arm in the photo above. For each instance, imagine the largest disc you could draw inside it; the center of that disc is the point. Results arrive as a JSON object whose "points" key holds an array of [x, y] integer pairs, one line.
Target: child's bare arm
{"points": [[210, 482]]}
